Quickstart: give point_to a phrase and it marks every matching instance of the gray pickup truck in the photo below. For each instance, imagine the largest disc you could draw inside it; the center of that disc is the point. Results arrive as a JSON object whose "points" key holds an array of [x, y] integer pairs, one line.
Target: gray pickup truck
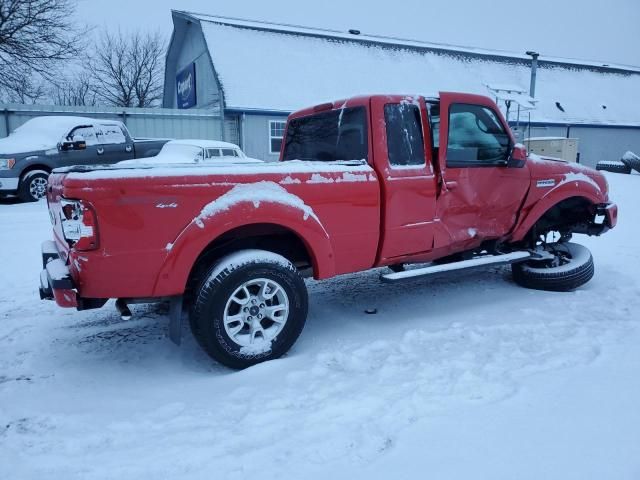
{"points": [[41, 144]]}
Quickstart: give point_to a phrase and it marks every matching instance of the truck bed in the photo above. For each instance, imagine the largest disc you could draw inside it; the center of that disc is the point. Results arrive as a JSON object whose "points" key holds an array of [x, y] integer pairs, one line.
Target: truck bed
{"points": [[340, 201]]}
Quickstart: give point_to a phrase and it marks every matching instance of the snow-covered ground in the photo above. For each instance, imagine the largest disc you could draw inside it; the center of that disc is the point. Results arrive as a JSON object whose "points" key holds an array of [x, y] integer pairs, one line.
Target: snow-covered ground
{"points": [[466, 377]]}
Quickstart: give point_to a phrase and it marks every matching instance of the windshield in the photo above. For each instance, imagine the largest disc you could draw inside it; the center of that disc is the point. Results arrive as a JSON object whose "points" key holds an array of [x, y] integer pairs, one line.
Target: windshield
{"points": [[182, 152], [329, 136]]}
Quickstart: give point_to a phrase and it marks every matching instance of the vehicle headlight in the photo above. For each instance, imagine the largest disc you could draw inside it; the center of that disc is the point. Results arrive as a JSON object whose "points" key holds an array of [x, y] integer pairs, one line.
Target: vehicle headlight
{"points": [[7, 163]]}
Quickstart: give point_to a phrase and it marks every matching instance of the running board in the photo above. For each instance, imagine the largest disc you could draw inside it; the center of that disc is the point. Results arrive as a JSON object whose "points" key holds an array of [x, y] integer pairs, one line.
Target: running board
{"points": [[487, 260]]}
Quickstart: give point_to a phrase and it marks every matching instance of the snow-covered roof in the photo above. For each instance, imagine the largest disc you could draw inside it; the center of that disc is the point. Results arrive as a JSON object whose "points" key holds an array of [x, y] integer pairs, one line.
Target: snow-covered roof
{"points": [[203, 143], [266, 66]]}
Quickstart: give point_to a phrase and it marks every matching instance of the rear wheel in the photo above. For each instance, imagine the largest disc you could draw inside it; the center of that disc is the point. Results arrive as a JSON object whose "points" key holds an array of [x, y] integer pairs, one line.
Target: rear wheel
{"points": [[251, 307], [570, 266], [33, 186]]}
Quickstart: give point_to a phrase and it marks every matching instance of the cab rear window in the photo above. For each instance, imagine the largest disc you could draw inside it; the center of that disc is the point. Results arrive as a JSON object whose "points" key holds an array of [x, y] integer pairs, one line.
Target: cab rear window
{"points": [[328, 136]]}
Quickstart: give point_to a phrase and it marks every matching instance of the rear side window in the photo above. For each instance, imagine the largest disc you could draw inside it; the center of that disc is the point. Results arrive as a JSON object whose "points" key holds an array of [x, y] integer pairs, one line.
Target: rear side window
{"points": [[329, 136], [229, 152], [405, 142], [110, 134]]}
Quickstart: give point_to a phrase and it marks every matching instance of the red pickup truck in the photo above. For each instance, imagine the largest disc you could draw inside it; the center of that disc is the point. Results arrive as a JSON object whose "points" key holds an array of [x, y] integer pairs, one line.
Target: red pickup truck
{"points": [[372, 181]]}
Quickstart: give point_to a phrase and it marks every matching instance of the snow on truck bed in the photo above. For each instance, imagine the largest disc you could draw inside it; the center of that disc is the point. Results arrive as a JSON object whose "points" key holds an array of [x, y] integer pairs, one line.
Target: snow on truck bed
{"points": [[467, 376], [219, 168]]}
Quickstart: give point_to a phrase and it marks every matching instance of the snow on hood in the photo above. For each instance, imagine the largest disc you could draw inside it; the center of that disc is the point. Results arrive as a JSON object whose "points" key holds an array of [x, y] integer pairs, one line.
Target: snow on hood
{"points": [[40, 133]]}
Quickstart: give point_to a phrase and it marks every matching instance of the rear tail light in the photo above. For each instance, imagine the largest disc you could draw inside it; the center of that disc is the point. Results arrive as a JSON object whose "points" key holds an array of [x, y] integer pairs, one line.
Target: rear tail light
{"points": [[79, 224]]}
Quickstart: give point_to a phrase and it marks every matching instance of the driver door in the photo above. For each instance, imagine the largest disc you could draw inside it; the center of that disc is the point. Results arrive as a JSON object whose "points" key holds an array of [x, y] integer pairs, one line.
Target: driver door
{"points": [[85, 156], [482, 191]]}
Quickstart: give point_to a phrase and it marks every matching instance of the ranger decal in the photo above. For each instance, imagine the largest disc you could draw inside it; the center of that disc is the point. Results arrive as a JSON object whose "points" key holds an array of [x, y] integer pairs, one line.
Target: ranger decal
{"points": [[546, 183]]}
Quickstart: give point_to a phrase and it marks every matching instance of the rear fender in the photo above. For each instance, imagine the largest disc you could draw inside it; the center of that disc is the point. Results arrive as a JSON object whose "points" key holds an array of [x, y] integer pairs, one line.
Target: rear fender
{"points": [[204, 229], [566, 189]]}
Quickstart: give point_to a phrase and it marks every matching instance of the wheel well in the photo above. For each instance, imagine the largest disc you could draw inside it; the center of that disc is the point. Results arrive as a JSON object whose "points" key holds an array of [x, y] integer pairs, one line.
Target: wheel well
{"points": [[567, 216], [263, 236], [32, 168]]}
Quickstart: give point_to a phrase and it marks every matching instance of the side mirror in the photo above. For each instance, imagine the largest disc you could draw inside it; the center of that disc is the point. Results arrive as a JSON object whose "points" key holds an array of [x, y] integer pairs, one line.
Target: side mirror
{"points": [[79, 142], [65, 146], [518, 156]]}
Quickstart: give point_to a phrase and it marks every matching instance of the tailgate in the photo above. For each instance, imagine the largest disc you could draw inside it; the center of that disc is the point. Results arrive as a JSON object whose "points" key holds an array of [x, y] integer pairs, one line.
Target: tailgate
{"points": [[54, 194]]}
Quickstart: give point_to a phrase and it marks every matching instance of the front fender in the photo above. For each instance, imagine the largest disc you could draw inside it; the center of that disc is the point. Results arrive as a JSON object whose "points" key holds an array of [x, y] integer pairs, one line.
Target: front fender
{"points": [[203, 230], [568, 188], [34, 160]]}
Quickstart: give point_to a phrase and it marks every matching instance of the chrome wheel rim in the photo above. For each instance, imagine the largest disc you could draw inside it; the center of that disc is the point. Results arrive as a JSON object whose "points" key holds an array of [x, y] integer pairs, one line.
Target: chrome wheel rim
{"points": [[256, 313], [38, 187]]}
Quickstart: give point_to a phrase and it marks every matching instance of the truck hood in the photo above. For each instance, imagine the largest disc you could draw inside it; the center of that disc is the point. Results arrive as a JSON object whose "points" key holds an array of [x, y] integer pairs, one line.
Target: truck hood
{"points": [[19, 149], [543, 168]]}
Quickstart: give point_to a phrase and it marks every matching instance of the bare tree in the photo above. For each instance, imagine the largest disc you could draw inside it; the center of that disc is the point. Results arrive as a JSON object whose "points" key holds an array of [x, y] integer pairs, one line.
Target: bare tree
{"points": [[128, 69], [26, 90], [79, 90], [35, 35]]}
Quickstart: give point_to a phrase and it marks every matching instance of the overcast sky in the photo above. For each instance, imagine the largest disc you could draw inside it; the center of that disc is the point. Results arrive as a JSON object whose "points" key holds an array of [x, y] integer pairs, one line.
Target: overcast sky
{"points": [[608, 31]]}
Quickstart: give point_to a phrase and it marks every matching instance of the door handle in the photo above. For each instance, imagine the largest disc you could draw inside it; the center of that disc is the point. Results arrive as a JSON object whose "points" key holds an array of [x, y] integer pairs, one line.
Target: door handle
{"points": [[100, 150], [451, 185]]}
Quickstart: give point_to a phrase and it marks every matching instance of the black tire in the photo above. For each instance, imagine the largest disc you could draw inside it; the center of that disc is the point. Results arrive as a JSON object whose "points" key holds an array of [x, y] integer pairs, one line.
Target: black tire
{"points": [[214, 300], [540, 275], [631, 161], [32, 188], [616, 167]]}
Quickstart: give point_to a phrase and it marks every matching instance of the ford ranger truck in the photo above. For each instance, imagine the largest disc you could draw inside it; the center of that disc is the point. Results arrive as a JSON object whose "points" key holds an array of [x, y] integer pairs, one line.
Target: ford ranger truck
{"points": [[424, 186]]}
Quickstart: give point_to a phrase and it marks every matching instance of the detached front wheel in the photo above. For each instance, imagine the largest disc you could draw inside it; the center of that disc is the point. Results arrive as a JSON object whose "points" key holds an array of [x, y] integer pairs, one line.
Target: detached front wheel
{"points": [[568, 267], [251, 307]]}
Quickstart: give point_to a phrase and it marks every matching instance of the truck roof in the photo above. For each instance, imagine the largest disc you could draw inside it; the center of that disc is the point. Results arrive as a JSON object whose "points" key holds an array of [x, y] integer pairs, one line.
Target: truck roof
{"points": [[203, 143], [363, 99]]}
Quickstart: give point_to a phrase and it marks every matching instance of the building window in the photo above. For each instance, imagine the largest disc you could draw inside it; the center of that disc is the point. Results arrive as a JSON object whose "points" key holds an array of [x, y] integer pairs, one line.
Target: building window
{"points": [[276, 132]]}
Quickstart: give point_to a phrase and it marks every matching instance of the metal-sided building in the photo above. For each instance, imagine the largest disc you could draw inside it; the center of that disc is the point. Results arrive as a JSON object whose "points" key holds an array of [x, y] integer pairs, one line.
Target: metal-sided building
{"points": [[253, 74]]}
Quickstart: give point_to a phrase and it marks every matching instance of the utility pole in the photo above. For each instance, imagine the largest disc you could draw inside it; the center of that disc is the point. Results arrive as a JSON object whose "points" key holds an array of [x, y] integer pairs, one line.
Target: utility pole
{"points": [[534, 69]]}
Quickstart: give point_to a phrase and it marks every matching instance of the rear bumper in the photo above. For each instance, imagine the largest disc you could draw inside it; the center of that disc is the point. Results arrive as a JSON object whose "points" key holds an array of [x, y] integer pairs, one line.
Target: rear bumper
{"points": [[56, 282]]}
